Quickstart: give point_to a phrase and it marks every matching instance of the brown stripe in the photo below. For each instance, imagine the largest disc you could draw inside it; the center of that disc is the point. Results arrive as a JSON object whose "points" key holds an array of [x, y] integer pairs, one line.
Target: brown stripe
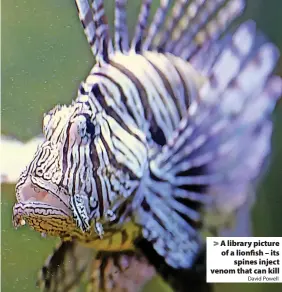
{"points": [[87, 19], [141, 90], [168, 88], [186, 89], [95, 159]]}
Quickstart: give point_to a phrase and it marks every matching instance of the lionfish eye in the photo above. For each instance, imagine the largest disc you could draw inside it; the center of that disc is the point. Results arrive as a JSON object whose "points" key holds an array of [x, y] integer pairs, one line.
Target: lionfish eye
{"points": [[90, 128], [82, 125]]}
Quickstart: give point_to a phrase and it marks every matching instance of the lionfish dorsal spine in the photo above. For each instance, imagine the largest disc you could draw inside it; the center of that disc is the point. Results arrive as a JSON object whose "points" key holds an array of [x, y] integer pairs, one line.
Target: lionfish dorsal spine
{"points": [[178, 11], [213, 28], [96, 28], [203, 53], [196, 17], [102, 31], [86, 18], [176, 29], [207, 21], [162, 143], [157, 23], [121, 28], [141, 26]]}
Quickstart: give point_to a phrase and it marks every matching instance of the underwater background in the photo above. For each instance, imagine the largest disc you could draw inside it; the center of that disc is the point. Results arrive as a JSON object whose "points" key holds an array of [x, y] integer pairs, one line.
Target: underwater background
{"points": [[45, 56]]}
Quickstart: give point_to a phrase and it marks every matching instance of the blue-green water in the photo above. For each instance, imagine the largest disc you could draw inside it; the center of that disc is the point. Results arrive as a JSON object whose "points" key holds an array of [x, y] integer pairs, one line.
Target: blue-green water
{"points": [[44, 58]]}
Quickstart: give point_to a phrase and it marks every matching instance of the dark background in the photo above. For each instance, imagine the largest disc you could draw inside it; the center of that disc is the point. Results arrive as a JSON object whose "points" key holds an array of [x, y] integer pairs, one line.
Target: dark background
{"points": [[44, 57]]}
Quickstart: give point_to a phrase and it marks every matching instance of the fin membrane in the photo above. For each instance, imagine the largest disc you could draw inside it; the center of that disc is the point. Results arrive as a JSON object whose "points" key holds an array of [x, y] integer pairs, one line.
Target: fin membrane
{"points": [[214, 158], [191, 28]]}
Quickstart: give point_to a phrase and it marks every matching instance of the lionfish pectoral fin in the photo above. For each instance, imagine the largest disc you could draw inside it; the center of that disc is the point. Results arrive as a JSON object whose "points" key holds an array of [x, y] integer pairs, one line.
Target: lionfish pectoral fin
{"points": [[213, 159], [119, 271], [64, 269]]}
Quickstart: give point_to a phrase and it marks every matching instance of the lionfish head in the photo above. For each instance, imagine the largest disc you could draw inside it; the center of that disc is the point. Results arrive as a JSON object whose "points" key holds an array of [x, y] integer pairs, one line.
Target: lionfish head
{"points": [[56, 193]]}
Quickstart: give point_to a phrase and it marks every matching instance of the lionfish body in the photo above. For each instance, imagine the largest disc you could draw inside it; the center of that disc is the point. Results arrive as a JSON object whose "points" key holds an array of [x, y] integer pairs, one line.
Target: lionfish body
{"points": [[165, 129]]}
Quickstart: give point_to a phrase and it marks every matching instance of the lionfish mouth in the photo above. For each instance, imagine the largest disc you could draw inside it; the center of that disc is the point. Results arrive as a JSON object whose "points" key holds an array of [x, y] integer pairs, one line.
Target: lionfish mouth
{"points": [[34, 192], [41, 208]]}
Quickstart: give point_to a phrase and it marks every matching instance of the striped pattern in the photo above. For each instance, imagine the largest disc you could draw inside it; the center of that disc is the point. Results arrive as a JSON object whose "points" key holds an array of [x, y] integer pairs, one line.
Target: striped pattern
{"points": [[87, 21], [121, 30], [96, 28], [157, 23], [218, 150], [141, 26], [167, 127]]}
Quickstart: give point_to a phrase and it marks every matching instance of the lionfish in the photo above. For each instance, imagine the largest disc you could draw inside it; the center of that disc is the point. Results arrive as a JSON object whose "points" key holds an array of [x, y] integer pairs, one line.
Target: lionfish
{"points": [[167, 129]]}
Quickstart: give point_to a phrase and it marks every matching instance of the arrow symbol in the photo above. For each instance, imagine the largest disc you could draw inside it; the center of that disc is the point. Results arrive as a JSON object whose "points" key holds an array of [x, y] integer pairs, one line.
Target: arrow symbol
{"points": [[215, 243]]}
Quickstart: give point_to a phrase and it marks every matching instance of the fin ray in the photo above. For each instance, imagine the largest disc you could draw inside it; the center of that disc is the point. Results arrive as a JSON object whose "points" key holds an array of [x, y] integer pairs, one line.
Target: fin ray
{"points": [[156, 24], [140, 29], [96, 29], [214, 158], [121, 28], [86, 18], [102, 31], [211, 29]]}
